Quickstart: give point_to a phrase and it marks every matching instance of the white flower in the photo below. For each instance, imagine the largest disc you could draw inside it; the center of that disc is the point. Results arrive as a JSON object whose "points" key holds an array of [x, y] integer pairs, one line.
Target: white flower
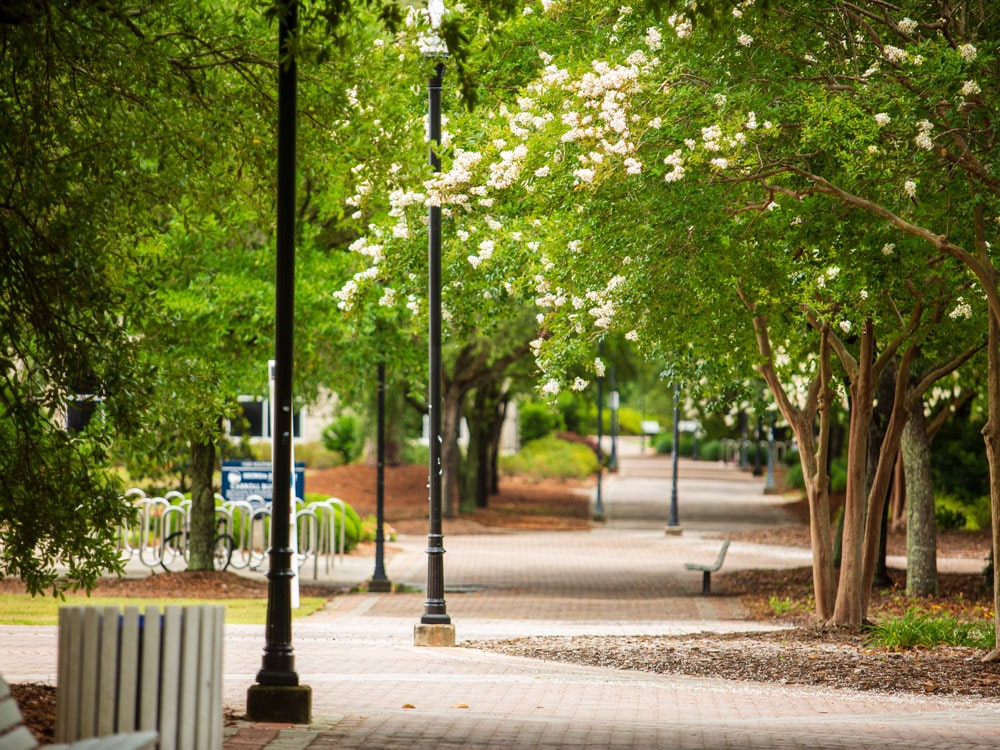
{"points": [[882, 119], [889, 248], [970, 88], [845, 326], [584, 175], [656, 123], [720, 100], [967, 52], [653, 39], [962, 310], [486, 249], [720, 163], [542, 171], [388, 298], [910, 188], [681, 25], [773, 206], [633, 166], [475, 260], [551, 388], [579, 384], [632, 335], [895, 54], [745, 40], [923, 138], [675, 175], [907, 26], [574, 245], [599, 367]]}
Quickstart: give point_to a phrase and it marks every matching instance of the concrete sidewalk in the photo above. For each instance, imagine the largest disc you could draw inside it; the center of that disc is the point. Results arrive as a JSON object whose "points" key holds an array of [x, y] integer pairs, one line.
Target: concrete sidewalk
{"points": [[372, 688]]}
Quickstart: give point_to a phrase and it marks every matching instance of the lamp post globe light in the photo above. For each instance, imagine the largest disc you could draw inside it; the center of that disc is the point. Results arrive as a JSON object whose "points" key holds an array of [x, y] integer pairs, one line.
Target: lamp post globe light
{"points": [[435, 627]]}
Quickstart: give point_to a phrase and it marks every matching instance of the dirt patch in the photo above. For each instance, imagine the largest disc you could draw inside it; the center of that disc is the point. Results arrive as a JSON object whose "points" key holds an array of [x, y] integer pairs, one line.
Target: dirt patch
{"points": [[520, 504]]}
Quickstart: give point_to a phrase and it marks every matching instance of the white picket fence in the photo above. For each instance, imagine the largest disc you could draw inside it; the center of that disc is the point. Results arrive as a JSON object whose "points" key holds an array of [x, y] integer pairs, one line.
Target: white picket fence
{"points": [[122, 672]]}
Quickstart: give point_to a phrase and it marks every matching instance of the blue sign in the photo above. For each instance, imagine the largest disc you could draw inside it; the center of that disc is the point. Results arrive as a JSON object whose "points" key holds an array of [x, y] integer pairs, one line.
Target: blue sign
{"points": [[241, 479]]}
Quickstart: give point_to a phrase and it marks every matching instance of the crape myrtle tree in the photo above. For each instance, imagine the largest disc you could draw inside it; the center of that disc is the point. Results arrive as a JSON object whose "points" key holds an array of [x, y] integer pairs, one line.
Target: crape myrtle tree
{"points": [[488, 300], [738, 130]]}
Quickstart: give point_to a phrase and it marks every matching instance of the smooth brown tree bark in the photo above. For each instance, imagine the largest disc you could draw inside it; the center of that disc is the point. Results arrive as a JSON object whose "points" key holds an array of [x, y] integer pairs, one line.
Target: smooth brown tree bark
{"points": [[921, 531]]}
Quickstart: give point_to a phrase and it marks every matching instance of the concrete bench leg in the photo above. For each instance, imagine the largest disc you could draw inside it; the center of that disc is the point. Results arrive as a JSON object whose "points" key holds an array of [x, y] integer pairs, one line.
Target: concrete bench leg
{"points": [[706, 582]]}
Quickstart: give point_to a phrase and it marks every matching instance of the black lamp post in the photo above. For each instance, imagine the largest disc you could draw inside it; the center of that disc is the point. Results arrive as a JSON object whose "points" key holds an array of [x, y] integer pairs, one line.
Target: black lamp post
{"points": [[435, 628], [380, 582], [278, 696], [673, 524], [599, 500], [613, 457]]}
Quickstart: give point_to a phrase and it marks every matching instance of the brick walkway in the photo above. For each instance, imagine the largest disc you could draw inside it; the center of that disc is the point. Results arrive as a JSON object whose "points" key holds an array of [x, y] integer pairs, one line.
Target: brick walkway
{"points": [[373, 689]]}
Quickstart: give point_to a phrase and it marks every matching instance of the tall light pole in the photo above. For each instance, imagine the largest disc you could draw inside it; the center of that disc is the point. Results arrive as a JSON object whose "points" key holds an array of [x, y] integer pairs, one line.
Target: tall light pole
{"points": [[435, 627], [380, 581], [599, 500], [278, 696], [674, 524]]}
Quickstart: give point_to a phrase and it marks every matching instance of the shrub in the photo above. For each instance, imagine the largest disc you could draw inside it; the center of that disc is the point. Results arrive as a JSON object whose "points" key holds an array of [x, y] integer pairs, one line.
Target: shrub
{"points": [[317, 456], [838, 476], [344, 436], [949, 513], [710, 450], [551, 458], [629, 421], [415, 452], [664, 443], [353, 525], [536, 420], [577, 412], [794, 478]]}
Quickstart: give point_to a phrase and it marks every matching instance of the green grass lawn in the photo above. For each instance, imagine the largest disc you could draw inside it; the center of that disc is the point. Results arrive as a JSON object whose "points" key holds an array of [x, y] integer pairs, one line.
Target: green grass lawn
{"points": [[21, 609]]}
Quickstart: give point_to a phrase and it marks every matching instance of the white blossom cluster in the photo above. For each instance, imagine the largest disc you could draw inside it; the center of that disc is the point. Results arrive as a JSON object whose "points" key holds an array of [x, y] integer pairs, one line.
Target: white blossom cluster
{"points": [[962, 310], [923, 138]]}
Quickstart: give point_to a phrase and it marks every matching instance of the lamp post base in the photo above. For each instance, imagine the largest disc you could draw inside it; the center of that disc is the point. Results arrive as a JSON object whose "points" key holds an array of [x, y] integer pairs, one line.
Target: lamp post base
{"points": [[673, 530], [438, 636], [290, 704], [379, 586]]}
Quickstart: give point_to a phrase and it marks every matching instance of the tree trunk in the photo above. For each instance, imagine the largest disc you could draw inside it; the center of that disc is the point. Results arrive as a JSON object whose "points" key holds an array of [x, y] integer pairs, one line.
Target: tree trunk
{"points": [[991, 435], [494, 457], [921, 533], [849, 609], [813, 456], [485, 420], [881, 414], [202, 528], [451, 419], [898, 498]]}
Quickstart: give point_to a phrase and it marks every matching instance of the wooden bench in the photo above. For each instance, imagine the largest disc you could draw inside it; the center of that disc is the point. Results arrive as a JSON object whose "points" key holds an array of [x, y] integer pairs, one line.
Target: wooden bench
{"points": [[15, 736], [707, 570]]}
